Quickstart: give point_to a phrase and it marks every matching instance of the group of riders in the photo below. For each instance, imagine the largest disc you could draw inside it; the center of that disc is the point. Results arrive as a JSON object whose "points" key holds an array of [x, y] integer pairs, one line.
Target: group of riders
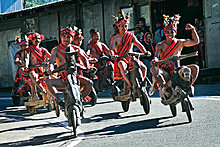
{"points": [[31, 55]]}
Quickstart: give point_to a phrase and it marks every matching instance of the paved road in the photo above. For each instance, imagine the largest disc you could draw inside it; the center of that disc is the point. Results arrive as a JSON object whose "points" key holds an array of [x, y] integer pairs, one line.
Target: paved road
{"points": [[107, 125]]}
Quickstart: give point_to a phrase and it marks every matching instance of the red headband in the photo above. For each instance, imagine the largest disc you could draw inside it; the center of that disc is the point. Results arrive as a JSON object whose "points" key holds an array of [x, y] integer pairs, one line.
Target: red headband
{"points": [[170, 28], [95, 33], [67, 31], [122, 22], [31, 37], [79, 36], [23, 43]]}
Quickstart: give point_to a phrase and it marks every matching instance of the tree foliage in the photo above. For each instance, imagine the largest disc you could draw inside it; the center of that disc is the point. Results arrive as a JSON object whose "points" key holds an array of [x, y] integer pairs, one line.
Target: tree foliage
{"points": [[32, 3]]}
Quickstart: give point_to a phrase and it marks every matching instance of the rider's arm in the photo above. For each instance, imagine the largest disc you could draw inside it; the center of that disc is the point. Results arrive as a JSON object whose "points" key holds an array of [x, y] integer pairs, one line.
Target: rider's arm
{"points": [[156, 54], [60, 68], [112, 46], [17, 60], [88, 50], [83, 57], [140, 46], [26, 59], [195, 37], [107, 50], [47, 53], [52, 59]]}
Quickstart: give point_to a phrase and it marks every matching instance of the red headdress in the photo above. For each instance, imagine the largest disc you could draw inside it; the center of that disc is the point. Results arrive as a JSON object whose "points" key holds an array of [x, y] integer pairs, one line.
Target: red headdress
{"points": [[171, 22], [67, 30], [78, 33], [31, 37], [21, 41], [122, 18]]}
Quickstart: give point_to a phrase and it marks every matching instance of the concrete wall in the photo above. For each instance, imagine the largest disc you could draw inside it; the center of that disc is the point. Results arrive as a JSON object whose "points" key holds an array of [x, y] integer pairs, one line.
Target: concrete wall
{"points": [[212, 32], [49, 26], [6, 75]]}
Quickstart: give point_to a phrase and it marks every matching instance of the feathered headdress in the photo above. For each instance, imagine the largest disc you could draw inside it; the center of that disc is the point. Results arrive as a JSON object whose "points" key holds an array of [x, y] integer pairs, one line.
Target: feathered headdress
{"points": [[122, 18], [67, 30], [78, 33], [20, 40], [32, 36], [171, 22]]}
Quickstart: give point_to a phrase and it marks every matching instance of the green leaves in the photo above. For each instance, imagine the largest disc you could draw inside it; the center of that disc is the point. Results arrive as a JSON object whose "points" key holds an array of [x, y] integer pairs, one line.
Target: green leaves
{"points": [[32, 3]]}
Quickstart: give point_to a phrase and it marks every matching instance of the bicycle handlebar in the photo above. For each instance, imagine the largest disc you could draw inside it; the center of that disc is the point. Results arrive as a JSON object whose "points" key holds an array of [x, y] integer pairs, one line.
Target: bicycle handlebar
{"points": [[174, 58], [40, 65]]}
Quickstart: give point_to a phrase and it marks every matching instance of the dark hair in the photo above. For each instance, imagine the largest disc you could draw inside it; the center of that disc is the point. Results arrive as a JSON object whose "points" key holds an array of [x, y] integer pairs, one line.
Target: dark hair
{"points": [[93, 31], [143, 20], [114, 25]]}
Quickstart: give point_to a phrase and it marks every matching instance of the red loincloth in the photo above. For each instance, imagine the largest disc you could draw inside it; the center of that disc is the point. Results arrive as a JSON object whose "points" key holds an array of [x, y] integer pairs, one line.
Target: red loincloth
{"points": [[123, 48]]}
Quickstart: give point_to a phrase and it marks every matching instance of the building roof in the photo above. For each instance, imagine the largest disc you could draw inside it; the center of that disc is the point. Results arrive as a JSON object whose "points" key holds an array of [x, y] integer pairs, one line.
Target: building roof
{"points": [[51, 4]]}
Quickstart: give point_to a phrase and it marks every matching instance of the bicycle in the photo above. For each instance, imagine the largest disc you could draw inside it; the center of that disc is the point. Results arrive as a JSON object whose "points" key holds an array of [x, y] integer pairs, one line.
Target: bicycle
{"points": [[180, 88]]}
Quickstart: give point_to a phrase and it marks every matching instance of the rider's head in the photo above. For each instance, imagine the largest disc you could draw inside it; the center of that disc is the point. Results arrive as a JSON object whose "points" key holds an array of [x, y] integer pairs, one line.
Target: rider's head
{"points": [[170, 23], [23, 42], [66, 36], [36, 38], [95, 35], [122, 22], [78, 38]]}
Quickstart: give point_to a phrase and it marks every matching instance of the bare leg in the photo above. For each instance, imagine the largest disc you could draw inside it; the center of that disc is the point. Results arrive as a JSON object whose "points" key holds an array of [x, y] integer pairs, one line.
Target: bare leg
{"points": [[87, 83], [160, 76], [195, 72], [33, 91], [53, 85], [144, 70], [35, 79], [122, 66]]}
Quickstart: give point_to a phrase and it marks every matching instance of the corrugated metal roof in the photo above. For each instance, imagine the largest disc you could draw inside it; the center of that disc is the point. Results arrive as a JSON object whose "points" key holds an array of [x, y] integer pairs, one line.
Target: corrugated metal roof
{"points": [[36, 7]]}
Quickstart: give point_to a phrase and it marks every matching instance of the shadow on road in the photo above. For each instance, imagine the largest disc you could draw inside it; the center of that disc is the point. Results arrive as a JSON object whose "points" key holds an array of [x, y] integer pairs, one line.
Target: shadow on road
{"points": [[133, 126], [106, 116], [41, 140]]}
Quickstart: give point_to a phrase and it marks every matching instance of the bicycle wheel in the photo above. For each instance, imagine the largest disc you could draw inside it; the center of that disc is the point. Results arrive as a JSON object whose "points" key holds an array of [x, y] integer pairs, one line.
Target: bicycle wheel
{"points": [[16, 100], [31, 110], [74, 122], [144, 98], [125, 105], [187, 108], [49, 107], [93, 97], [173, 109], [57, 109]]}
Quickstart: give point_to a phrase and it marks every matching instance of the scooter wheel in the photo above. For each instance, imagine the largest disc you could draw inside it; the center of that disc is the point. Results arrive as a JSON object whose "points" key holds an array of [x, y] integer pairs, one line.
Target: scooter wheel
{"points": [[125, 105], [31, 110], [173, 109]]}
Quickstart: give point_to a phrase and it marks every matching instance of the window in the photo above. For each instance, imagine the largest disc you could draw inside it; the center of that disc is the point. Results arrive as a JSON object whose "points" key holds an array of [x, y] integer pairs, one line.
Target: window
{"points": [[145, 12], [130, 12]]}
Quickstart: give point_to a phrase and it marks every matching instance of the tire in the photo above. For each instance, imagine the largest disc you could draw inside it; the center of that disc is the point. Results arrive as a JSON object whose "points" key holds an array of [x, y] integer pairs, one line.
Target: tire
{"points": [[74, 122], [173, 110], [125, 105], [93, 97], [31, 110], [57, 109], [188, 112], [49, 107], [16, 100], [144, 98]]}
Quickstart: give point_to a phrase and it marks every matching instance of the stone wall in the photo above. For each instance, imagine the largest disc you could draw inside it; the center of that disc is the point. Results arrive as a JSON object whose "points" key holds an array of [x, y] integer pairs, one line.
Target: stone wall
{"points": [[212, 32]]}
